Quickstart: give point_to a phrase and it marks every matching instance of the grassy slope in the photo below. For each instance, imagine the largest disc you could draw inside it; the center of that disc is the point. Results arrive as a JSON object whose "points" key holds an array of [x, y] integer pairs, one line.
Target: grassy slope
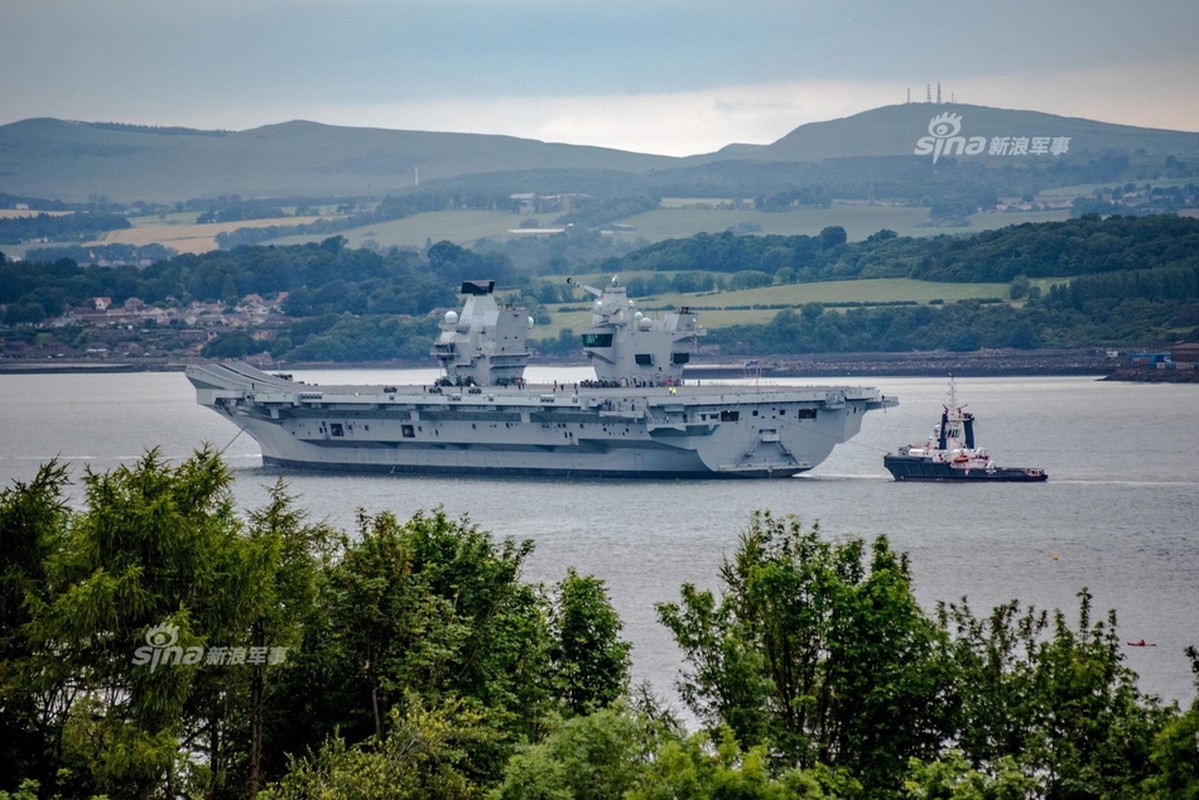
{"points": [[73, 161], [460, 227], [181, 232], [465, 227], [796, 295]]}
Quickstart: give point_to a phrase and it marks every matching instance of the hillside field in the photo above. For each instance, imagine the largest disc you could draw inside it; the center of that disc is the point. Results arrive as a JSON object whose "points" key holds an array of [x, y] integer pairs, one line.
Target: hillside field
{"points": [[721, 309], [181, 232], [673, 222], [678, 218], [460, 227]]}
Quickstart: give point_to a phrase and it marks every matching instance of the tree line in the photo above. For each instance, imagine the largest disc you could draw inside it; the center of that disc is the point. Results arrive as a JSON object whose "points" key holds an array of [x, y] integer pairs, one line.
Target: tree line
{"points": [[1131, 282], [1088, 245], [76, 226], [325, 277], [158, 644], [1082, 246], [957, 184]]}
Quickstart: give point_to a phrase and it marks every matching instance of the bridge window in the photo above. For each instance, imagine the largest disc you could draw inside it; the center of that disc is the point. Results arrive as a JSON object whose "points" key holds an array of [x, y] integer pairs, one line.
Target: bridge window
{"points": [[644, 359], [597, 340]]}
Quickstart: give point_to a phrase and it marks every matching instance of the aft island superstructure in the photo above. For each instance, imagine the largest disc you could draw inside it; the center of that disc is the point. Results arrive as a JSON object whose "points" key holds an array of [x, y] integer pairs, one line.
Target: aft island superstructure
{"points": [[636, 419]]}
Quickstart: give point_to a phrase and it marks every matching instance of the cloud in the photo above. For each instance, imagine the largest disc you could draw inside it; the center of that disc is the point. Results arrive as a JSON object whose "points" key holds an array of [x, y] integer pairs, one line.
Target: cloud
{"points": [[682, 123], [657, 76], [1158, 95], [702, 121]]}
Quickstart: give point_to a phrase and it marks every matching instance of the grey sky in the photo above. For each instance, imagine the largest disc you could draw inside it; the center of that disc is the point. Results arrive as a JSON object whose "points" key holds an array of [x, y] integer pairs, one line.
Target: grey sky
{"points": [[651, 75]]}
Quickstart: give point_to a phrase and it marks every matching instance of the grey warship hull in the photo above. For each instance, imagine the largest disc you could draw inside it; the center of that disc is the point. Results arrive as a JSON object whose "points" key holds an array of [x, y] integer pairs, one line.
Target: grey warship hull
{"points": [[654, 431]]}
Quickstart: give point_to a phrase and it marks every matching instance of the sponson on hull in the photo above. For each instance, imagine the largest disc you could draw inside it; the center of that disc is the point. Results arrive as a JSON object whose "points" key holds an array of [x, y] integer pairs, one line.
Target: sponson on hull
{"points": [[636, 419]]}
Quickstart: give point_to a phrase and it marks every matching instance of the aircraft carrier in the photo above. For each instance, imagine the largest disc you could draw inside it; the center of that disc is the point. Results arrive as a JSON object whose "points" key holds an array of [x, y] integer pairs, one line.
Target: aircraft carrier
{"points": [[636, 419]]}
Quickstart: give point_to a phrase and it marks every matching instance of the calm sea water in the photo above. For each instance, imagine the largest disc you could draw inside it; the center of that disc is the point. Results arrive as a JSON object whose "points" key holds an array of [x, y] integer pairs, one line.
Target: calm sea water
{"points": [[1118, 514]]}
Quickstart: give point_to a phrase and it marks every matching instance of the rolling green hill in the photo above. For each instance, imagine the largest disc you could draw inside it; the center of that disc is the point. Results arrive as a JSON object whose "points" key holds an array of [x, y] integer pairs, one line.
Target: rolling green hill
{"points": [[894, 131], [76, 160], [851, 157]]}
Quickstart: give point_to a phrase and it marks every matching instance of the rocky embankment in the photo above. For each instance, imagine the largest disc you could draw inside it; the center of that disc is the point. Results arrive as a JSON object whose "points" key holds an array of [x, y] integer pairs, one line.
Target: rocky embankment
{"points": [[1145, 375]]}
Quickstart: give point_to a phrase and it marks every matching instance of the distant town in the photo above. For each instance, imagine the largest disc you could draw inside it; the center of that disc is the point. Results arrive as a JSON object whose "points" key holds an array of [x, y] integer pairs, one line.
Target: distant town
{"points": [[135, 330]]}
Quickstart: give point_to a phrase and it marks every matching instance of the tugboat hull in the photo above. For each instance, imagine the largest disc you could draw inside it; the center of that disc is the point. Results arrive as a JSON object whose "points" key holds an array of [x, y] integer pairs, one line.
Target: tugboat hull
{"points": [[912, 468]]}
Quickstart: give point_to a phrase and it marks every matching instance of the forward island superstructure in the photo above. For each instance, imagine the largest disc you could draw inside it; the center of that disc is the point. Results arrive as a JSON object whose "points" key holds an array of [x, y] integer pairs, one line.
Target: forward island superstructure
{"points": [[636, 419]]}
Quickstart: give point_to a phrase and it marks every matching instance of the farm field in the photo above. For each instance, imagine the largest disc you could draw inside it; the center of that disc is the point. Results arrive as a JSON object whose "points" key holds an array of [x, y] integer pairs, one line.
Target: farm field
{"points": [[459, 227], [18, 213], [466, 227], [679, 218], [181, 232], [721, 309]]}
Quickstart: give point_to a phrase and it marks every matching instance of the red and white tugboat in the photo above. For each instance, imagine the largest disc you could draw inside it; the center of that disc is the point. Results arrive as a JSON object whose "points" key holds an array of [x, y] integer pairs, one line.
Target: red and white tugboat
{"points": [[950, 454]]}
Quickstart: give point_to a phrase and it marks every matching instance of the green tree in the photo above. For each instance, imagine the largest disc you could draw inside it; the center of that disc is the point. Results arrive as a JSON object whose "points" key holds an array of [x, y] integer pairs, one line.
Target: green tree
{"points": [[281, 557], [697, 768], [433, 608], [33, 519], [1175, 754], [1054, 699], [233, 344], [151, 560], [1019, 288], [100, 604], [24, 313], [594, 757], [953, 778], [833, 236], [590, 664], [229, 292], [426, 755], [780, 659]]}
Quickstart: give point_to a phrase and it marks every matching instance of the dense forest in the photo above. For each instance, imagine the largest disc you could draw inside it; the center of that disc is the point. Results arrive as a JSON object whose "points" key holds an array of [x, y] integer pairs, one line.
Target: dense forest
{"points": [[75, 226], [156, 644], [1124, 282], [1081, 246]]}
